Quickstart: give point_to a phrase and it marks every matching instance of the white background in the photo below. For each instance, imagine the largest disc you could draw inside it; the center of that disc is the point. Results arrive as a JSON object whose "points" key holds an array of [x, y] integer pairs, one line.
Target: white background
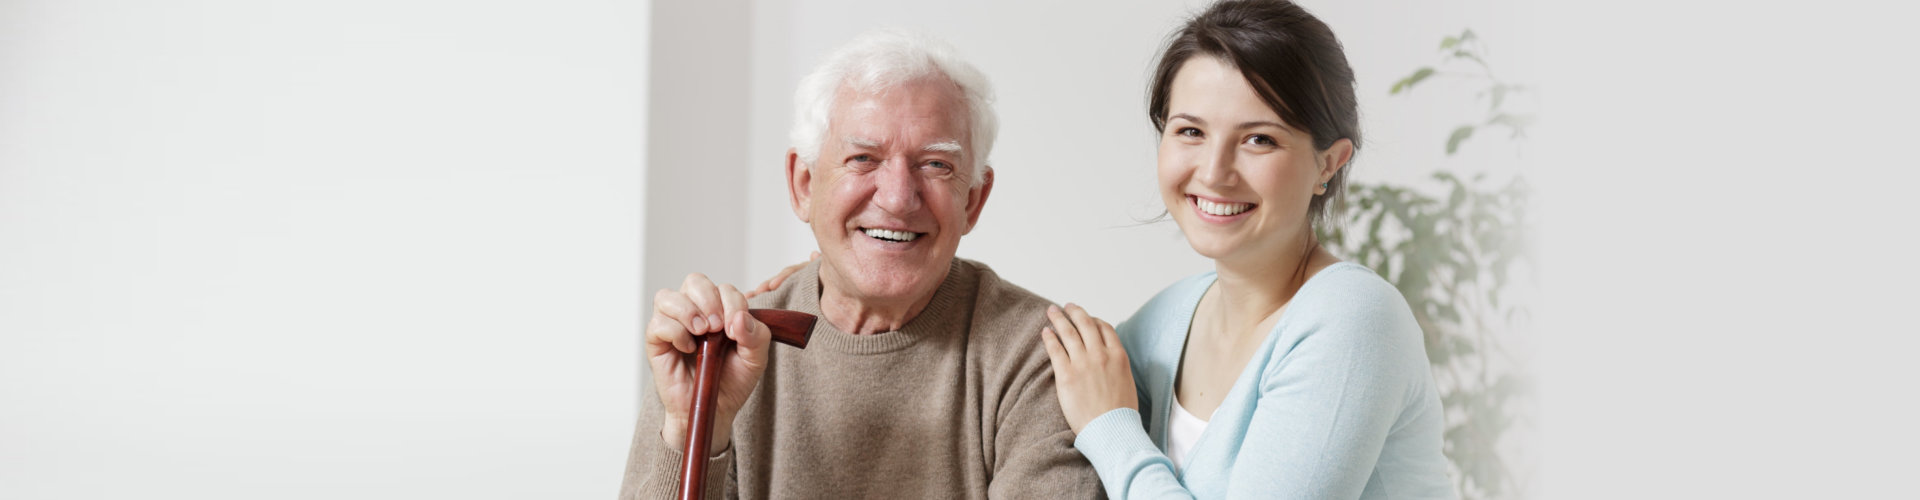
{"points": [[401, 249], [380, 249]]}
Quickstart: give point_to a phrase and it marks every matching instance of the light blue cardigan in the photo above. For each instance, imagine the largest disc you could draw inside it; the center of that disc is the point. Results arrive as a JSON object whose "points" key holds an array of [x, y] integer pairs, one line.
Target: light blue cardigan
{"points": [[1339, 402]]}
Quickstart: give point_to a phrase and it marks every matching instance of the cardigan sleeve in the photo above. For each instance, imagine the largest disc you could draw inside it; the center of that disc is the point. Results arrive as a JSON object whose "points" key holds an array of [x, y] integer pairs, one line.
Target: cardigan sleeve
{"points": [[1326, 406], [1130, 466], [1116, 442]]}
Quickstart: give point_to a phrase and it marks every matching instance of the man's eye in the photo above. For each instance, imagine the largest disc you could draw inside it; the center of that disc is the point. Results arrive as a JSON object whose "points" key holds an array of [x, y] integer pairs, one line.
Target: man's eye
{"points": [[861, 159], [940, 165]]}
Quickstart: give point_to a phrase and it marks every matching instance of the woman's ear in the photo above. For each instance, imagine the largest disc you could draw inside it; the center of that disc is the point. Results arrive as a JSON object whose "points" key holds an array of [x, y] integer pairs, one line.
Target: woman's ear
{"points": [[1335, 157]]}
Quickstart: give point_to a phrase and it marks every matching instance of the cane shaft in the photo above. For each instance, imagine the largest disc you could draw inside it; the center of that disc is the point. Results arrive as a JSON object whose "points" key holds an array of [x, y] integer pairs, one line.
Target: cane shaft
{"points": [[706, 389], [788, 327]]}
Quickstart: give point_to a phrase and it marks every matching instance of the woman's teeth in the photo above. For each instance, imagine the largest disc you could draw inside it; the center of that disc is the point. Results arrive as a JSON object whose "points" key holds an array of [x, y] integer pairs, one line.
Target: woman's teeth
{"points": [[1221, 208], [891, 235]]}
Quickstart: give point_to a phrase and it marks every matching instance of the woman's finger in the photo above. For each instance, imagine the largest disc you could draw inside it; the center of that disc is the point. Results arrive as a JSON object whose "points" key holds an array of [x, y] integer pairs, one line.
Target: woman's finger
{"points": [[1084, 323], [1111, 337], [780, 277], [1055, 353], [1063, 328]]}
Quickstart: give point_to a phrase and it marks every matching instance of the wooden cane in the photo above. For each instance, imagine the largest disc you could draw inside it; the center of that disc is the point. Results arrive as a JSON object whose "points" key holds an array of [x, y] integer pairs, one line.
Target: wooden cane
{"points": [[788, 327]]}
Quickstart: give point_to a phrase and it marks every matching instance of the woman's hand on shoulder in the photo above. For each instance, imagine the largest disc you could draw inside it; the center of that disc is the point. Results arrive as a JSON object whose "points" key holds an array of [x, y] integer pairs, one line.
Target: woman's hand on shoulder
{"points": [[1090, 371]]}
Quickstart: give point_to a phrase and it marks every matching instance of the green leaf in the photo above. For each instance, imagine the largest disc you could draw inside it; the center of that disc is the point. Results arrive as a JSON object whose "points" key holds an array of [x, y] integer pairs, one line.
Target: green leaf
{"points": [[1459, 134], [1469, 55], [1517, 123], [1455, 41], [1407, 83]]}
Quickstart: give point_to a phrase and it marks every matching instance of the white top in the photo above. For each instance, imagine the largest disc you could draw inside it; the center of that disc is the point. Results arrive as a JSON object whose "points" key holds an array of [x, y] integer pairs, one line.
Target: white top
{"points": [[1183, 431]]}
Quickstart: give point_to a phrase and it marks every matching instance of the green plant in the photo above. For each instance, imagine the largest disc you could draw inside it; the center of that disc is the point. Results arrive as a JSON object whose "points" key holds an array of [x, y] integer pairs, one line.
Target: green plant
{"points": [[1456, 52], [1455, 259]]}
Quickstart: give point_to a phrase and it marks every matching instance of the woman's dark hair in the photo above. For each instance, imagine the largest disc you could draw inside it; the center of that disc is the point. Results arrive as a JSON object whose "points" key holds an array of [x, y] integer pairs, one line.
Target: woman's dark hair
{"points": [[1291, 59]]}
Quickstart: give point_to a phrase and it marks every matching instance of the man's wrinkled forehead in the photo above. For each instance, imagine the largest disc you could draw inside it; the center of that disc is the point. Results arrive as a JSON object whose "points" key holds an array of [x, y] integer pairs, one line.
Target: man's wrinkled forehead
{"points": [[949, 146], [856, 104]]}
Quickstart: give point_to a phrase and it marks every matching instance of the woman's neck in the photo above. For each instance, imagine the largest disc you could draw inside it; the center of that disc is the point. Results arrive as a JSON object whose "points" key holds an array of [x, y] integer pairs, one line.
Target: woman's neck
{"points": [[1248, 293]]}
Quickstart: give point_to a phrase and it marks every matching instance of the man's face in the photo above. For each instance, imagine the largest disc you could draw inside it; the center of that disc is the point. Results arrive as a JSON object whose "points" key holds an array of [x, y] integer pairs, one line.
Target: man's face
{"points": [[890, 194]]}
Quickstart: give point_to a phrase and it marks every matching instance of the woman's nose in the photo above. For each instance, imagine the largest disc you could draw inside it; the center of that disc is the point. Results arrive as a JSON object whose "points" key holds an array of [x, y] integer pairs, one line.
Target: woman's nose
{"points": [[1216, 168]]}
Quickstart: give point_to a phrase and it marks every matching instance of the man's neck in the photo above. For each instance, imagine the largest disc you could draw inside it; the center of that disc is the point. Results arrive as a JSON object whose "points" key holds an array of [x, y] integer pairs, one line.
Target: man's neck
{"points": [[846, 310]]}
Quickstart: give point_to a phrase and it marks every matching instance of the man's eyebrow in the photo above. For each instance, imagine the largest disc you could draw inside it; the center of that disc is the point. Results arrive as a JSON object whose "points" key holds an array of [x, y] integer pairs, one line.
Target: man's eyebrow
{"points": [[943, 147], [861, 142]]}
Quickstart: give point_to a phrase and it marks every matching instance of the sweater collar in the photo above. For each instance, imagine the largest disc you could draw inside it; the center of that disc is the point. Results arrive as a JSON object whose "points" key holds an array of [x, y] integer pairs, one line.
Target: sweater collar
{"points": [[945, 314]]}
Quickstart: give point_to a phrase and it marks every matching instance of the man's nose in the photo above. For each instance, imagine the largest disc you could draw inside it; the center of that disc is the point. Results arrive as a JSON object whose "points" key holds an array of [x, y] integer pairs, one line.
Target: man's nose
{"points": [[897, 189], [1216, 167]]}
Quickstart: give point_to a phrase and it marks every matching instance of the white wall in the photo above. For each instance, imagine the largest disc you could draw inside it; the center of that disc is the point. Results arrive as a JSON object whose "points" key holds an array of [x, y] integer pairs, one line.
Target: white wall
{"points": [[345, 249], [697, 94], [1731, 250]]}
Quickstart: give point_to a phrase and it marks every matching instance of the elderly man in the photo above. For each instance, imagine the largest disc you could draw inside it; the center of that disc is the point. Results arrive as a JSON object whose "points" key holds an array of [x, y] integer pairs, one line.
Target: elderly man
{"points": [[925, 377]]}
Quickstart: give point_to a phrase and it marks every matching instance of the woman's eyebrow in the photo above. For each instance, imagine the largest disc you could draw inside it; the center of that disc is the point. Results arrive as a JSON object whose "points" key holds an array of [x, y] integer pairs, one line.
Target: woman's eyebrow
{"points": [[1265, 123], [1242, 126]]}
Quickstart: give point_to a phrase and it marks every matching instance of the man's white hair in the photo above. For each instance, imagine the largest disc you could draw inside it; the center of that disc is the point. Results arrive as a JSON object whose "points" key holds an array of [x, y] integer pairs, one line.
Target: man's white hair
{"points": [[880, 60]]}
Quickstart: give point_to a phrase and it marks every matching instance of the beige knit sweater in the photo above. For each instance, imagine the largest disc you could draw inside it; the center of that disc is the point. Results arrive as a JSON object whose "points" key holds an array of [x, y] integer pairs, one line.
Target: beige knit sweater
{"points": [[957, 404]]}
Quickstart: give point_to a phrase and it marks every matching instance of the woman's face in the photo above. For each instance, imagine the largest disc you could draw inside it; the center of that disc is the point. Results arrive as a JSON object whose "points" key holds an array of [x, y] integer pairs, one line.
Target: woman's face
{"points": [[1235, 177]]}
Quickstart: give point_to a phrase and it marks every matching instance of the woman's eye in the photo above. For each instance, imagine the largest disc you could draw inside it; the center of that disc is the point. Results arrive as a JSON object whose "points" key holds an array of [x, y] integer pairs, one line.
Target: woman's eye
{"points": [[1261, 140], [1187, 132]]}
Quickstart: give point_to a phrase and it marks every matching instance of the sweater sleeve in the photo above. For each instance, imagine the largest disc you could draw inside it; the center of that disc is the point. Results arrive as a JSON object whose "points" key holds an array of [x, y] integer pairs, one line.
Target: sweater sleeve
{"points": [[1035, 451], [653, 468]]}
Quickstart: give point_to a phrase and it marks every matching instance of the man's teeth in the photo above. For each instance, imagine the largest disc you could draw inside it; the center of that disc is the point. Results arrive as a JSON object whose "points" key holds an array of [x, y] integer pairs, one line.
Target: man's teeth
{"points": [[1221, 208], [891, 235]]}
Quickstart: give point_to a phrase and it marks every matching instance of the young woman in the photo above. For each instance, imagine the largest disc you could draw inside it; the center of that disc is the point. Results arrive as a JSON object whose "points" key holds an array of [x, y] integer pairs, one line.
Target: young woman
{"points": [[1283, 373]]}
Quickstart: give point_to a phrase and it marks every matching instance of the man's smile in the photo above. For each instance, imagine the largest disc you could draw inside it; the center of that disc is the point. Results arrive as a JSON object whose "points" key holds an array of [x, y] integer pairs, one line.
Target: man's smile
{"points": [[891, 235]]}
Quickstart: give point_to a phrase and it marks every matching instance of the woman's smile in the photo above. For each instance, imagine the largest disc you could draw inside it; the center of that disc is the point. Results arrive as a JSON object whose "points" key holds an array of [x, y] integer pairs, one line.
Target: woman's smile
{"points": [[1219, 211]]}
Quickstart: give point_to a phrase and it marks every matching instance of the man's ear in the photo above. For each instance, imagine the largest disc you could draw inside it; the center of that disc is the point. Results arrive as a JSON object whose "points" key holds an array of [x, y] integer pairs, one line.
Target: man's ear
{"points": [[1334, 157], [977, 198], [799, 186]]}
